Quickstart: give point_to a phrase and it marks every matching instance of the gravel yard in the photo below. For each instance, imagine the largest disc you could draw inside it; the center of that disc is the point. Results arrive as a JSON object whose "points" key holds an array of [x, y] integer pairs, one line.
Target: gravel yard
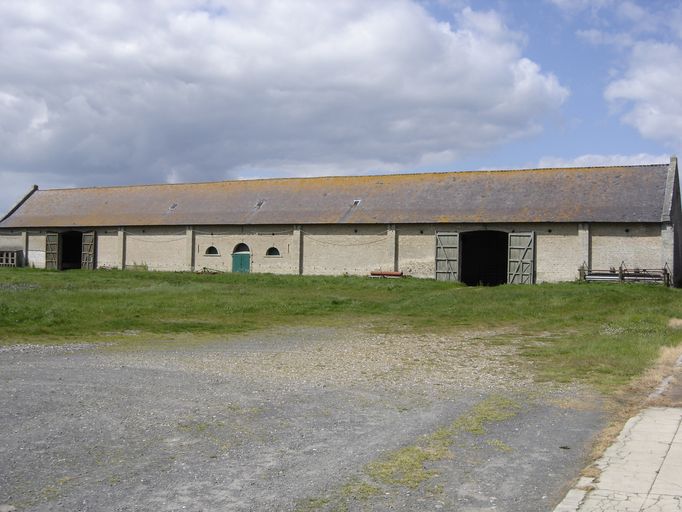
{"points": [[293, 420]]}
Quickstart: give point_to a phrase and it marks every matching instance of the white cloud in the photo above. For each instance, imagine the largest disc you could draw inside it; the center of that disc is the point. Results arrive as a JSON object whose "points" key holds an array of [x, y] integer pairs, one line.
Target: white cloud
{"points": [[643, 86], [592, 160], [622, 23], [632, 12], [600, 37], [649, 92], [576, 6], [642, 19], [127, 91]]}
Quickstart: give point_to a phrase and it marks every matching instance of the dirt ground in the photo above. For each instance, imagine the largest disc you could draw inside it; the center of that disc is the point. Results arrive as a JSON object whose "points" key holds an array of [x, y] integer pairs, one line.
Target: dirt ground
{"points": [[293, 420]]}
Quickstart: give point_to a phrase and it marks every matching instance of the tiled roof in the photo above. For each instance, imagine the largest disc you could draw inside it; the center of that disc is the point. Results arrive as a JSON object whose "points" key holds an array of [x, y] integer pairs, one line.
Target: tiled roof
{"points": [[596, 194]]}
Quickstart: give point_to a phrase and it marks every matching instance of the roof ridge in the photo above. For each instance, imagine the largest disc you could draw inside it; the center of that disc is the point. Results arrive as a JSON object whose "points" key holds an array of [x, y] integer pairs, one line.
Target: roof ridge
{"points": [[346, 176]]}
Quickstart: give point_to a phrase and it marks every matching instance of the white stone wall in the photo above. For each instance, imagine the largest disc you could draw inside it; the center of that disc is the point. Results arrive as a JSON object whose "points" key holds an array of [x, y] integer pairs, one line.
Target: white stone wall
{"points": [[635, 245], [417, 250], [107, 253], [285, 263], [259, 239], [359, 249], [353, 250], [224, 239], [156, 248], [11, 241], [558, 253], [36, 249]]}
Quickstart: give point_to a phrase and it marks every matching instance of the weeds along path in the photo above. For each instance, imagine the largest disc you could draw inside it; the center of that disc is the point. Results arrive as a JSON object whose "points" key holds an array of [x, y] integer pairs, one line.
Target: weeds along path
{"points": [[290, 419]]}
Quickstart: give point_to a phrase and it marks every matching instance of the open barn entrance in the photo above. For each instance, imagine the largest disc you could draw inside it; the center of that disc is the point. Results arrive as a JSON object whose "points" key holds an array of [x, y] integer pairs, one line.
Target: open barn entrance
{"points": [[484, 257], [69, 250], [72, 249]]}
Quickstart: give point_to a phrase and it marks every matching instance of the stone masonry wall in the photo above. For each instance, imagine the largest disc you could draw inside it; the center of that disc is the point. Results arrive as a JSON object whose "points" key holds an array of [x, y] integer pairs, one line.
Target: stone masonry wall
{"points": [[359, 249], [107, 254], [156, 248], [636, 245]]}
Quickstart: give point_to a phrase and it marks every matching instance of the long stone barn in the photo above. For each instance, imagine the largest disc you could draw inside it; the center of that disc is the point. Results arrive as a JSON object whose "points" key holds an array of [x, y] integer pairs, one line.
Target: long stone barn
{"points": [[491, 227]]}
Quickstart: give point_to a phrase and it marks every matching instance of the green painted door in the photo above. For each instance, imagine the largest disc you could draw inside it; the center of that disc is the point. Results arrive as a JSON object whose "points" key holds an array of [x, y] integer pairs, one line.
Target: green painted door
{"points": [[241, 262]]}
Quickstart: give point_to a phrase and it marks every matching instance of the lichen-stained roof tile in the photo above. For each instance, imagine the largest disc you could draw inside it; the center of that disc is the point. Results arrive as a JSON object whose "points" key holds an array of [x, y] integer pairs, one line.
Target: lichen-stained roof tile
{"points": [[597, 194]]}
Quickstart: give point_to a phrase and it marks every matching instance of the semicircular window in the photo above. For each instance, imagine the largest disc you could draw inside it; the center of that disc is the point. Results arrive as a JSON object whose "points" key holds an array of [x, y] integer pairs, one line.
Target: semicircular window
{"points": [[272, 251], [241, 248], [211, 251]]}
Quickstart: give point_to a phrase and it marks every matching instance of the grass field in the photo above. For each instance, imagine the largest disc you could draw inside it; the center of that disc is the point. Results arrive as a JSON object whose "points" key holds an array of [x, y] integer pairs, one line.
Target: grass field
{"points": [[603, 334]]}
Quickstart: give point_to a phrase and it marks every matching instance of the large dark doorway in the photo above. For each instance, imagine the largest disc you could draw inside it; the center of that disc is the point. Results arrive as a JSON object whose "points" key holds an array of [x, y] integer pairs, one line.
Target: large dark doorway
{"points": [[484, 257], [72, 250]]}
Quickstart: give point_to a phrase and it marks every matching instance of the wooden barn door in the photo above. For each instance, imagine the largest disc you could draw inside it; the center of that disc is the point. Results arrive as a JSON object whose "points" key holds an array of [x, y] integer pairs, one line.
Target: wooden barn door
{"points": [[521, 262], [241, 262], [88, 251], [52, 253], [447, 256]]}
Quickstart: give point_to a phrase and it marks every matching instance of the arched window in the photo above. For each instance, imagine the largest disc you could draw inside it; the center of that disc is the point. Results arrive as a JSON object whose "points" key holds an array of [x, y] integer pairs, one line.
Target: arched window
{"points": [[241, 248], [272, 251], [211, 251]]}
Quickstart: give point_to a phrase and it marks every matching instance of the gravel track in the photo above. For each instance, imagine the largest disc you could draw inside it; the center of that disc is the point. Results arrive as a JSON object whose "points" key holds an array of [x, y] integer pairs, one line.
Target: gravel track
{"points": [[279, 421]]}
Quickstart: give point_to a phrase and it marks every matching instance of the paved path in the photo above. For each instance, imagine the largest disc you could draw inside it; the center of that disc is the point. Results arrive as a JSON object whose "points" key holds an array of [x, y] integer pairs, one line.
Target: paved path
{"points": [[641, 471]]}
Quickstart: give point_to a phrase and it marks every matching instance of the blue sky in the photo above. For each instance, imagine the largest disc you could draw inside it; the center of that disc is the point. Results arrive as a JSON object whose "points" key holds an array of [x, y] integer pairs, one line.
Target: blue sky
{"points": [[125, 92], [572, 39]]}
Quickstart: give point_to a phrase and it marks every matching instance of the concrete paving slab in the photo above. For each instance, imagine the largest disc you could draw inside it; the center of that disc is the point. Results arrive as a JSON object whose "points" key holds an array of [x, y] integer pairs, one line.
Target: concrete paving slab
{"points": [[604, 501], [657, 422], [575, 496], [572, 501], [641, 470], [678, 438], [638, 457], [669, 478], [661, 503], [626, 483]]}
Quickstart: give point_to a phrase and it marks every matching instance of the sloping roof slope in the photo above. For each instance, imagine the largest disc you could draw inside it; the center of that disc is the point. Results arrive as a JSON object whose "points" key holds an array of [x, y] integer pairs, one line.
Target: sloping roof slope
{"points": [[598, 194]]}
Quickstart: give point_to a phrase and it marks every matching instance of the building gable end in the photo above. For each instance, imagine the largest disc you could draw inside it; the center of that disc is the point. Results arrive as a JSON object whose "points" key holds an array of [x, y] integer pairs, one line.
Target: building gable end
{"points": [[671, 184]]}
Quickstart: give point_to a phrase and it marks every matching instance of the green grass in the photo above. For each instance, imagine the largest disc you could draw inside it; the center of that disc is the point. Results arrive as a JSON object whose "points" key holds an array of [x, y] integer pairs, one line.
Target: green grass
{"points": [[499, 445], [312, 504], [598, 333], [358, 490], [407, 466], [492, 410]]}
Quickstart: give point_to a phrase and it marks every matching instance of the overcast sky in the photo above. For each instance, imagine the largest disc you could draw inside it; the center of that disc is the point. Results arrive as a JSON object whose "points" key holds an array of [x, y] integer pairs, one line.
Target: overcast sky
{"points": [[126, 92]]}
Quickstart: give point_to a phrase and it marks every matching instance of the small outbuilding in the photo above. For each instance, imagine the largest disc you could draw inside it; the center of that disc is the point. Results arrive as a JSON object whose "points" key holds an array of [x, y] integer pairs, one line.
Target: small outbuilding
{"points": [[490, 227]]}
